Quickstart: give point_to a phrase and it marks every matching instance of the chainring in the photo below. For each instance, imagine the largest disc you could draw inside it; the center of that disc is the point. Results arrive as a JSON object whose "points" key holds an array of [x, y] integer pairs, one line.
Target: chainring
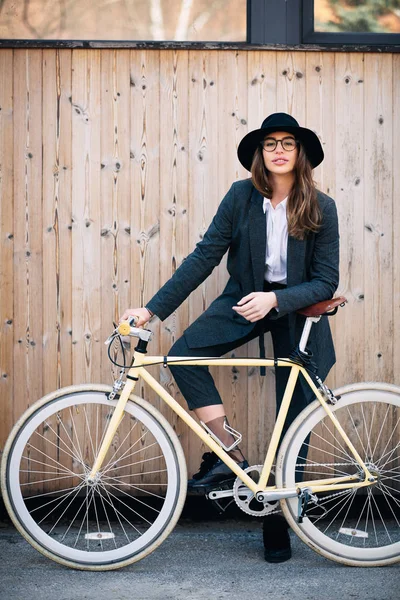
{"points": [[245, 498]]}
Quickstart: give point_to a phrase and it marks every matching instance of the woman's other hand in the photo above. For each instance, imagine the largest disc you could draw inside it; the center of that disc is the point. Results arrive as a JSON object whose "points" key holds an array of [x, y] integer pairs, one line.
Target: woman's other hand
{"points": [[256, 305], [142, 315]]}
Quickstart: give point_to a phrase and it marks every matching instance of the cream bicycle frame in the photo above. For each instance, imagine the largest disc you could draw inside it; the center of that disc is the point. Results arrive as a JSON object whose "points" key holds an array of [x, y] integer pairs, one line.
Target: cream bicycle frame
{"points": [[138, 370]]}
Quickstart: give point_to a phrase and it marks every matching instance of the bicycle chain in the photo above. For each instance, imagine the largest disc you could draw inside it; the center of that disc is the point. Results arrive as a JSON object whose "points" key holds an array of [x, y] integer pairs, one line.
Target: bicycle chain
{"points": [[329, 465], [346, 464], [269, 511]]}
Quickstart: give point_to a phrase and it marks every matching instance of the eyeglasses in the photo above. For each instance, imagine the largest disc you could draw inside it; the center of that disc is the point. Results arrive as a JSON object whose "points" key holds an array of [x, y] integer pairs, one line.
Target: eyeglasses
{"points": [[287, 143]]}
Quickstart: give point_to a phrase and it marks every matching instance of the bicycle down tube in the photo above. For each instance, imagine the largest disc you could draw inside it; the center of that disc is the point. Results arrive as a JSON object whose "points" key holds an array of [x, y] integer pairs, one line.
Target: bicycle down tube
{"points": [[137, 370]]}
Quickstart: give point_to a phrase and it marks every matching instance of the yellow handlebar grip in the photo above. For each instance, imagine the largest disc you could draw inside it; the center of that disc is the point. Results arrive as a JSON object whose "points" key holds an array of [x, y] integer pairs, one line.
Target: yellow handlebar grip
{"points": [[124, 328]]}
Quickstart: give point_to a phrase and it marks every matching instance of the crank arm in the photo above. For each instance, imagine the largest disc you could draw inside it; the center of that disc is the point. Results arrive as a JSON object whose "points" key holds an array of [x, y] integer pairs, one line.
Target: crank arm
{"points": [[278, 495], [216, 494]]}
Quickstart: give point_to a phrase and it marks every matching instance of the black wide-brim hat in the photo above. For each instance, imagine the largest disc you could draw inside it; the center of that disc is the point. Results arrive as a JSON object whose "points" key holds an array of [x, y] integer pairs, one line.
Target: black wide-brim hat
{"points": [[286, 123]]}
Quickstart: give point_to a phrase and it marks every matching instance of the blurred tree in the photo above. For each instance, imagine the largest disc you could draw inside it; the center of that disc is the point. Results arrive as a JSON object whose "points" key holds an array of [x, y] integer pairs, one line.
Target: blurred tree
{"points": [[360, 15]]}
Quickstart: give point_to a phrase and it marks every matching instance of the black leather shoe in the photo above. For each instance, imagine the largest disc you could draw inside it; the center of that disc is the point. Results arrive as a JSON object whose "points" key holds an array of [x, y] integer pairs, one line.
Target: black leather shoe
{"points": [[212, 472], [276, 539]]}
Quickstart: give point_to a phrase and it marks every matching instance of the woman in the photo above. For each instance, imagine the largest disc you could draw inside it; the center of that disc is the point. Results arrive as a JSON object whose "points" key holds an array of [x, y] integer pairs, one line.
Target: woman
{"points": [[283, 242]]}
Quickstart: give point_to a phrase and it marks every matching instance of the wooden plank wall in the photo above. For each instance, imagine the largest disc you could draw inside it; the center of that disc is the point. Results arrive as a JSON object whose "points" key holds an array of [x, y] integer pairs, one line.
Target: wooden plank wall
{"points": [[112, 164]]}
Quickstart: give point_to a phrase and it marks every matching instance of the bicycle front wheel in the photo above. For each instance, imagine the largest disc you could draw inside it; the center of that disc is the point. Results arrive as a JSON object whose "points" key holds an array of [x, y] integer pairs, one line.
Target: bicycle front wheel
{"points": [[121, 517], [359, 527]]}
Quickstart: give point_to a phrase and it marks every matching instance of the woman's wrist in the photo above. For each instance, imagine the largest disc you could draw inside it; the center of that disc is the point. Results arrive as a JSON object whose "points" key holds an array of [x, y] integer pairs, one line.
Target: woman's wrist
{"points": [[275, 300], [151, 314]]}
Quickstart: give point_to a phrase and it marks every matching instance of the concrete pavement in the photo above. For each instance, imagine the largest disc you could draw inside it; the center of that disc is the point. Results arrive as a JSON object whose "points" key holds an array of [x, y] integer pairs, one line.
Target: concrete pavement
{"points": [[214, 559]]}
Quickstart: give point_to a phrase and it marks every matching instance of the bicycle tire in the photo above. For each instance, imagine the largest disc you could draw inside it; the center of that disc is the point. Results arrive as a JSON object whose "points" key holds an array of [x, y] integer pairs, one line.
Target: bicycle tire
{"points": [[53, 445], [359, 527]]}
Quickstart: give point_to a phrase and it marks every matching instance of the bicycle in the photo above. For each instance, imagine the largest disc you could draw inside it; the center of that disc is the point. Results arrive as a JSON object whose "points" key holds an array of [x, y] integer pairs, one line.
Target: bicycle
{"points": [[118, 475]]}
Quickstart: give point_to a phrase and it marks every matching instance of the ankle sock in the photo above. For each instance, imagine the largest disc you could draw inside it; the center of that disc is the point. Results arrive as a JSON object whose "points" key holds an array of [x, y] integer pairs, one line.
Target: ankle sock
{"points": [[217, 427]]}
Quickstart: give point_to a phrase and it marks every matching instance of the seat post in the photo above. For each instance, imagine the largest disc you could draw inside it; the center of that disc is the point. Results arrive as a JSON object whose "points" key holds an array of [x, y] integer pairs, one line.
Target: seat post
{"points": [[306, 332]]}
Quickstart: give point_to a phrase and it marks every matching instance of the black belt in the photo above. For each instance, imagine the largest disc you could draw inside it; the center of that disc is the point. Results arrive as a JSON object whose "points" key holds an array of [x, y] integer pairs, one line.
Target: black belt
{"points": [[271, 286]]}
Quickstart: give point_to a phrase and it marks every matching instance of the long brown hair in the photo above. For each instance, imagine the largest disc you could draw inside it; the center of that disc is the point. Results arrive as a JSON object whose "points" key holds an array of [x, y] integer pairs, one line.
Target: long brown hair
{"points": [[303, 212]]}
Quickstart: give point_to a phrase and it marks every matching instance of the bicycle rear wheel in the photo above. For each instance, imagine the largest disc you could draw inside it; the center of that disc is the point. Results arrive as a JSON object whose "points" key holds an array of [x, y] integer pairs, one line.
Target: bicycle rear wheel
{"points": [[359, 527], [131, 507]]}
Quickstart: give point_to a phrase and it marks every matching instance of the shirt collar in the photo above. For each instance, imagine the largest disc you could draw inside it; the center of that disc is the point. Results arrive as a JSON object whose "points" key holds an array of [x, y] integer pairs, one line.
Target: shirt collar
{"points": [[267, 204]]}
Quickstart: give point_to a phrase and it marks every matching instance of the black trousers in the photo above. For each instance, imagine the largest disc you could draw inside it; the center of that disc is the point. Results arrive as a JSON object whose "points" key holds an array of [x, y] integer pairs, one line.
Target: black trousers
{"points": [[197, 384]]}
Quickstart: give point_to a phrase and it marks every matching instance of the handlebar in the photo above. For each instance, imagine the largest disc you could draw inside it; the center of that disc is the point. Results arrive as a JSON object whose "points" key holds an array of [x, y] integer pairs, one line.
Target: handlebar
{"points": [[125, 328]]}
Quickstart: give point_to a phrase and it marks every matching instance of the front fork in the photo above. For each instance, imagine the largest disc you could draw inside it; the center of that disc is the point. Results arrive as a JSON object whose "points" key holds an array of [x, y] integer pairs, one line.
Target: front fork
{"points": [[114, 422]]}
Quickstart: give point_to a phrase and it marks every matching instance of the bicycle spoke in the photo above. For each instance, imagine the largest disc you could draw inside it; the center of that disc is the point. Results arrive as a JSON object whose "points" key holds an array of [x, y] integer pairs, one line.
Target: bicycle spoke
{"points": [[372, 517], [124, 503], [380, 433], [139, 462], [336, 439], [85, 501], [132, 429], [55, 507], [108, 520], [97, 428], [389, 461], [137, 475], [368, 433], [125, 454], [346, 501], [347, 456], [107, 419], [388, 457], [343, 499], [58, 448], [135, 487], [382, 521], [68, 490], [89, 432], [356, 430], [119, 514], [80, 454], [387, 491], [66, 431], [62, 467], [97, 518], [45, 480]]}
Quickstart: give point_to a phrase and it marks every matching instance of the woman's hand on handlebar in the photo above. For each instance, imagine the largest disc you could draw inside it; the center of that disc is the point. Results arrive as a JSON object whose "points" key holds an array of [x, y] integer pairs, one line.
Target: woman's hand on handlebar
{"points": [[142, 316]]}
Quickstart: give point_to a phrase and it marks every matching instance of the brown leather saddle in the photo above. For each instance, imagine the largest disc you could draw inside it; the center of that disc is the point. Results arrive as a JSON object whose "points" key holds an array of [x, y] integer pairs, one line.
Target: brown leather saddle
{"points": [[328, 307]]}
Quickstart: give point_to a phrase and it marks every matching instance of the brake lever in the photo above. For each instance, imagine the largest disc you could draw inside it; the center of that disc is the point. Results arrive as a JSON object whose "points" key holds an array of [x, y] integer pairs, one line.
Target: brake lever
{"points": [[131, 320], [111, 337]]}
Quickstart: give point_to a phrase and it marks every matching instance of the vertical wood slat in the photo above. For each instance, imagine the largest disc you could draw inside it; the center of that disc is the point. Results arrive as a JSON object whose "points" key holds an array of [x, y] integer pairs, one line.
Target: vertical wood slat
{"points": [[291, 87], [145, 186], [396, 213], [86, 215], [174, 205], [28, 273], [65, 176], [57, 346], [261, 404], [115, 174], [233, 125], [145, 190], [320, 118], [350, 189], [204, 87], [7, 316], [62, 279], [378, 218]]}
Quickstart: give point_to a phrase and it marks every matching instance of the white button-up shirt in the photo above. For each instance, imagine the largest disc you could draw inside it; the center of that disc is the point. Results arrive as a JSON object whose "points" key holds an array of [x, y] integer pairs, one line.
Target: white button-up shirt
{"points": [[277, 238]]}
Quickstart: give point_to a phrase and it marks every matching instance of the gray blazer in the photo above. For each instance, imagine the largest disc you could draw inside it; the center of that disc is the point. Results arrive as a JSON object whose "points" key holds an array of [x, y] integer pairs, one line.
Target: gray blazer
{"points": [[239, 226]]}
